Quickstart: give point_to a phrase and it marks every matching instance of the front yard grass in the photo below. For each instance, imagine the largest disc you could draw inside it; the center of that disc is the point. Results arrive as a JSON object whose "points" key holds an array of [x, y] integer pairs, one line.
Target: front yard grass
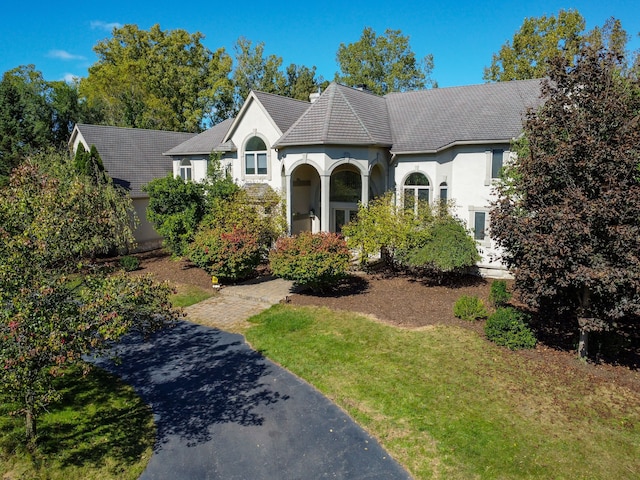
{"points": [[448, 404], [99, 430], [187, 295]]}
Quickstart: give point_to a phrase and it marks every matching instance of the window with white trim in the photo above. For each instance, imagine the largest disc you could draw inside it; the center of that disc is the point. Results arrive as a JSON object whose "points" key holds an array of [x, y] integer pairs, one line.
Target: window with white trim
{"points": [[415, 190], [444, 193], [255, 157], [479, 223], [186, 170], [497, 160]]}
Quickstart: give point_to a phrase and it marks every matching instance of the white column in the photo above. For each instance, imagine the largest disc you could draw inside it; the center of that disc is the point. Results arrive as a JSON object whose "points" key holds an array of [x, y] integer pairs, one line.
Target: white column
{"points": [[289, 189], [325, 210], [365, 190]]}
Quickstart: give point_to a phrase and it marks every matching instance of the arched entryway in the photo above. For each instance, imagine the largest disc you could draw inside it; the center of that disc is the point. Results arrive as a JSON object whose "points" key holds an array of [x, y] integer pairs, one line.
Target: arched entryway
{"points": [[345, 192], [305, 199]]}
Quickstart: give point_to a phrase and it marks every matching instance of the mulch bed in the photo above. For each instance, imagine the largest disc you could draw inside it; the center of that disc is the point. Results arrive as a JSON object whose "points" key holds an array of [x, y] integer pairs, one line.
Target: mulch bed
{"points": [[407, 302]]}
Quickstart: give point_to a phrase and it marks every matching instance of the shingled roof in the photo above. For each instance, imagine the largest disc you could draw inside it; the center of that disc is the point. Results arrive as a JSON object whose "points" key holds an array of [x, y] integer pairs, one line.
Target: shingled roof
{"points": [[283, 110], [132, 156], [341, 115], [431, 120], [204, 143]]}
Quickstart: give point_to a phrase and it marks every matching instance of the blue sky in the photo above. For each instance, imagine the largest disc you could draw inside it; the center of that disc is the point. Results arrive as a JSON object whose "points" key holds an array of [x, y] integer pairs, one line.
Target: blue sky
{"points": [[58, 37]]}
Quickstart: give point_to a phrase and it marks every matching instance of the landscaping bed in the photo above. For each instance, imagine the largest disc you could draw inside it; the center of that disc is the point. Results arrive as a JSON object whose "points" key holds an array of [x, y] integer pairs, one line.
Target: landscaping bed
{"points": [[407, 302]]}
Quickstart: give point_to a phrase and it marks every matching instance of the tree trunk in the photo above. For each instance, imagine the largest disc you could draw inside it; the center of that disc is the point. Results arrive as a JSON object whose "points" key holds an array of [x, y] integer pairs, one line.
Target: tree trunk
{"points": [[30, 418], [583, 344]]}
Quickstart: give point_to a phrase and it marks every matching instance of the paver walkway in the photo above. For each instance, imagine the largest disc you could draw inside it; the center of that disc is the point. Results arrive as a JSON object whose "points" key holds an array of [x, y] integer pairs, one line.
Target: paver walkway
{"points": [[223, 411], [235, 303]]}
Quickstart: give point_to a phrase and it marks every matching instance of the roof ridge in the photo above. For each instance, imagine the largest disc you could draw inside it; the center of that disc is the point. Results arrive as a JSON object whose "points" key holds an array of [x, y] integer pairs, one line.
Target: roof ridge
{"points": [[136, 128], [327, 118], [364, 127], [280, 96]]}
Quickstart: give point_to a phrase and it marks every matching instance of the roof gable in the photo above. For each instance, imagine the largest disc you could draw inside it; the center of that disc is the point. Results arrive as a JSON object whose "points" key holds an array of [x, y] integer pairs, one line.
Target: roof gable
{"points": [[132, 156], [282, 112]]}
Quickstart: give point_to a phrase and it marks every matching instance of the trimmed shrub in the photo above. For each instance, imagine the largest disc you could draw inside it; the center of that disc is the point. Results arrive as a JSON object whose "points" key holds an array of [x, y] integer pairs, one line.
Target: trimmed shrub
{"points": [[499, 296], [129, 263], [230, 255], [446, 248], [508, 327], [314, 260], [470, 308]]}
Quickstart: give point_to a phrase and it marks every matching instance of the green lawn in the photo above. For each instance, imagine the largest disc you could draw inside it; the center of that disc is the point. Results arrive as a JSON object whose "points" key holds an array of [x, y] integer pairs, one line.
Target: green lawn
{"points": [[99, 430], [448, 404], [187, 295]]}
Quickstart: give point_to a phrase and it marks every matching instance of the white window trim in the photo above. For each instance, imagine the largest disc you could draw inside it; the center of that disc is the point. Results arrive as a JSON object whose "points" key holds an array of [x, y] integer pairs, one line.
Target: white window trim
{"points": [[488, 180], [183, 168], [486, 242], [255, 176], [414, 188]]}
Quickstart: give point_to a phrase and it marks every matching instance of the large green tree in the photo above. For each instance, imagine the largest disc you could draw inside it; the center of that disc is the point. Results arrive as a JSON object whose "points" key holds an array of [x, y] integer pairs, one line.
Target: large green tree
{"points": [[539, 40], [254, 71], [383, 63], [53, 309], [25, 116], [567, 210], [159, 79]]}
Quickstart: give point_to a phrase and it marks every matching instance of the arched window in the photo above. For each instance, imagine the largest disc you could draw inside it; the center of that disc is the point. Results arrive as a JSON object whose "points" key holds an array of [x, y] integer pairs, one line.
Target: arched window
{"points": [[346, 186], [444, 194], [186, 170], [415, 190], [255, 157]]}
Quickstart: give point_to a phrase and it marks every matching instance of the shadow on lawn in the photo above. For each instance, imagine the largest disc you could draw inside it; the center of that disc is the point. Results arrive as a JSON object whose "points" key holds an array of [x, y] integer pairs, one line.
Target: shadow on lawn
{"points": [[120, 432], [194, 377], [619, 346]]}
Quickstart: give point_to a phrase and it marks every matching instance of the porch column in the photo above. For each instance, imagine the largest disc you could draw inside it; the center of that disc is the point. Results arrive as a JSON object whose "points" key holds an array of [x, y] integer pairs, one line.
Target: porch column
{"points": [[325, 210], [365, 190], [289, 189]]}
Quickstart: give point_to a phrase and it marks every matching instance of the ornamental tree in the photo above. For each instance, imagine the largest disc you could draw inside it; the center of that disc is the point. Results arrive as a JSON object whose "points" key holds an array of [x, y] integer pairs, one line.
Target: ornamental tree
{"points": [[54, 307], [567, 210]]}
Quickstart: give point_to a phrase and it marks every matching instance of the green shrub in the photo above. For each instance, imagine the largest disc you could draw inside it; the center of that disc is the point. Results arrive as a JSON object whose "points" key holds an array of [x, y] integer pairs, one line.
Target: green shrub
{"points": [[231, 255], [129, 263], [314, 260], [499, 296], [445, 247], [470, 308], [175, 210], [508, 327]]}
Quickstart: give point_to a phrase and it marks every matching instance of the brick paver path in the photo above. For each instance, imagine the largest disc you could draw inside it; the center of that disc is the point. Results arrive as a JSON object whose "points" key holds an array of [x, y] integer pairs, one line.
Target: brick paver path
{"points": [[233, 305]]}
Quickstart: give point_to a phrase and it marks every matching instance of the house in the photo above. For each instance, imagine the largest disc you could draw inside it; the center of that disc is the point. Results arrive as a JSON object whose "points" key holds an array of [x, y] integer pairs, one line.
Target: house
{"points": [[132, 158], [348, 145]]}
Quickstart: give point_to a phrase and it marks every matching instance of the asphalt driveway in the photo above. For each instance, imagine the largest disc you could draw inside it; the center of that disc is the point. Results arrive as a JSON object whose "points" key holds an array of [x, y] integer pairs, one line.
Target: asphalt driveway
{"points": [[225, 412]]}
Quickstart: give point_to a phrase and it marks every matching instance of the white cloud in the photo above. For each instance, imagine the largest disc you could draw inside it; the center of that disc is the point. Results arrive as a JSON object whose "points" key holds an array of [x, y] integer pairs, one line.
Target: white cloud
{"points": [[64, 55], [100, 25], [70, 78]]}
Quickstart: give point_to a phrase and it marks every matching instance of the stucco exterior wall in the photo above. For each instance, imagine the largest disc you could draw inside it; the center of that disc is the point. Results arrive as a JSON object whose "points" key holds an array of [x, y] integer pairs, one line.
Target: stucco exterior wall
{"points": [[255, 122]]}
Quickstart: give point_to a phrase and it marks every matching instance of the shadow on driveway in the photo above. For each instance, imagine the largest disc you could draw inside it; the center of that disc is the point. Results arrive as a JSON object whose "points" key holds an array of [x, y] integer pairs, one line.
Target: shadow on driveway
{"points": [[225, 412]]}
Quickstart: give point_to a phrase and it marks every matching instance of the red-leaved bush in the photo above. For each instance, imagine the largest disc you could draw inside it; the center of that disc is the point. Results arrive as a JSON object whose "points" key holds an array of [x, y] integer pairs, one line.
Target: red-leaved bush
{"points": [[314, 260], [229, 255]]}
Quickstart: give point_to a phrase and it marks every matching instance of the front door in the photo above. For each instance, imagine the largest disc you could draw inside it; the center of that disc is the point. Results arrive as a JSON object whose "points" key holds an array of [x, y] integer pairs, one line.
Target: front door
{"points": [[342, 216]]}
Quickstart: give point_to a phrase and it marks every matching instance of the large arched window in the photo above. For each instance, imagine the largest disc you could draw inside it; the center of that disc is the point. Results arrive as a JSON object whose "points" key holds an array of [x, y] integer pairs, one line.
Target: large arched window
{"points": [[186, 170], [415, 190], [346, 186], [255, 157]]}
